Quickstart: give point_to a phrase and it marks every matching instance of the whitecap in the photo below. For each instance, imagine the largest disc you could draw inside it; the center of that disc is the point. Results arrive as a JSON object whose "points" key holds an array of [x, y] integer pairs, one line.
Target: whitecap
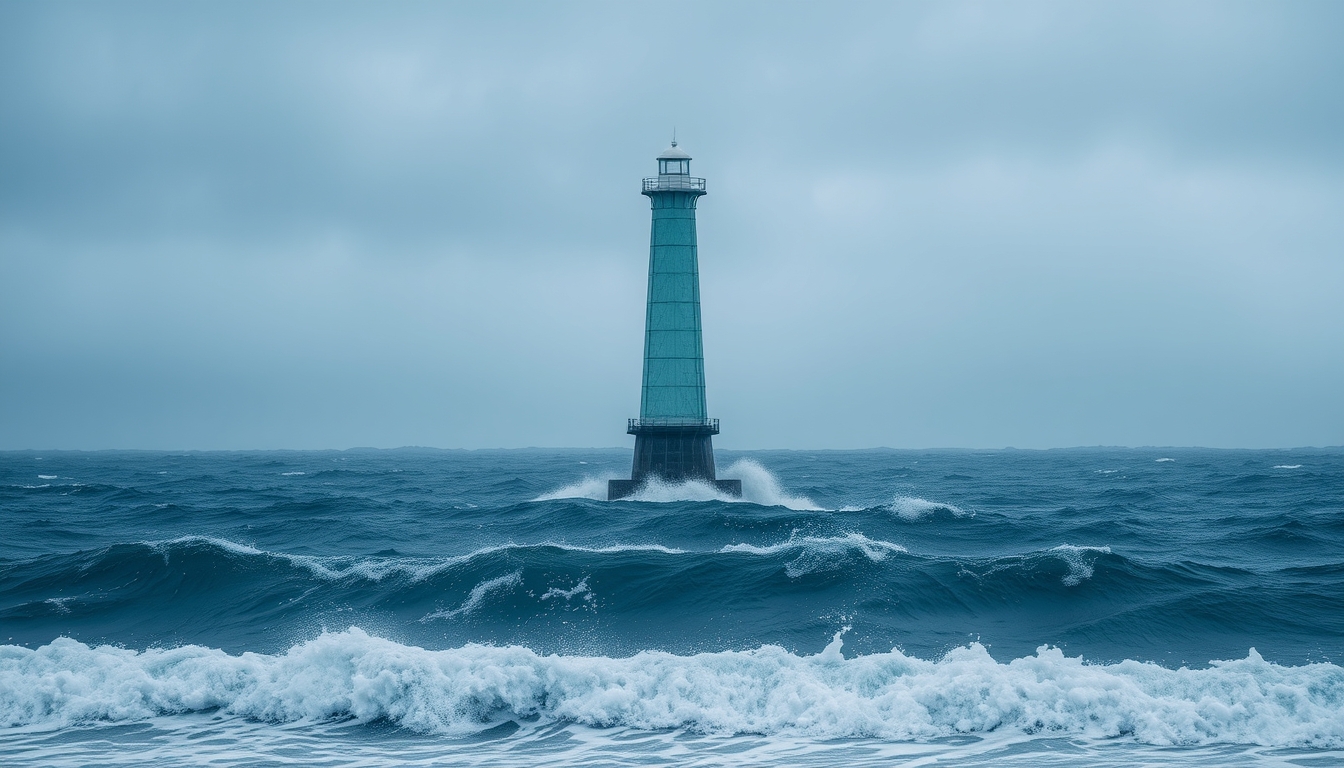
{"points": [[1162, 460], [887, 696], [46, 477], [1080, 569], [1276, 466], [292, 474], [913, 508]]}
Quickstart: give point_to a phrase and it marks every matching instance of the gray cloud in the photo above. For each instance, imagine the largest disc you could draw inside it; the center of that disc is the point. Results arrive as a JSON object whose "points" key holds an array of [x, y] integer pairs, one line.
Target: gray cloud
{"points": [[296, 225]]}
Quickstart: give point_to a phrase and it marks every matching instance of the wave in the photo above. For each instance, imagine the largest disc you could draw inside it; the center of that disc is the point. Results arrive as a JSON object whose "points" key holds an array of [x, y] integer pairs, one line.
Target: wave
{"points": [[1080, 569], [913, 508], [379, 568], [818, 554], [759, 486], [1079, 560], [891, 696], [154, 562]]}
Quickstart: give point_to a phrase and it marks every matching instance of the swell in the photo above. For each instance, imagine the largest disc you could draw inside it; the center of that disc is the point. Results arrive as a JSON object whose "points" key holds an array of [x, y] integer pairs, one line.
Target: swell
{"points": [[625, 597], [766, 690]]}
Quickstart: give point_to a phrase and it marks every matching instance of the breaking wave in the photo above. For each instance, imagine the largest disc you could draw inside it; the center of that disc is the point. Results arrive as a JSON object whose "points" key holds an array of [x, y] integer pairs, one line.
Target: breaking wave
{"points": [[352, 675], [913, 508], [1080, 569]]}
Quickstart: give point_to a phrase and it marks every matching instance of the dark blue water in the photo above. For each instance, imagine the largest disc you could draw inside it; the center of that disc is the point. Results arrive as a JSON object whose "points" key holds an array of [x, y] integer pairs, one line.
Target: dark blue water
{"points": [[400, 604]]}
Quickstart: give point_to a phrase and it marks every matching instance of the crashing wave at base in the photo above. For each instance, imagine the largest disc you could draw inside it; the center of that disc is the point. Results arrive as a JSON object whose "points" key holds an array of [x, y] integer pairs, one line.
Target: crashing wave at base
{"points": [[759, 486], [891, 696]]}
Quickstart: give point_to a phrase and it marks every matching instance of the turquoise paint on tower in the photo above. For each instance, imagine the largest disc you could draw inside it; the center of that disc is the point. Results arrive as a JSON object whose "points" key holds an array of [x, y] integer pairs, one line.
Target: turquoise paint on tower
{"points": [[673, 434], [674, 361]]}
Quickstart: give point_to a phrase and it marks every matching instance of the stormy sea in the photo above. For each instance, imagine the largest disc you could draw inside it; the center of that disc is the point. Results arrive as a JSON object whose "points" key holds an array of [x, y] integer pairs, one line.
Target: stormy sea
{"points": [[422, 607]]}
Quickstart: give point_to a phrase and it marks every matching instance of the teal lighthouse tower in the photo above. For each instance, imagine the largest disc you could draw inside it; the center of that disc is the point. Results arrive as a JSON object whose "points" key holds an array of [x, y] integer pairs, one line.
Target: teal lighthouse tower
{"points": [[673, 434]]}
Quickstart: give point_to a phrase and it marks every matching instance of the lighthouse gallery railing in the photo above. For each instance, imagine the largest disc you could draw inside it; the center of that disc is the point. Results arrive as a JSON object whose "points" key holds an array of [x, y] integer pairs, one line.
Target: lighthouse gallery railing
{"points": [[674, 183]]}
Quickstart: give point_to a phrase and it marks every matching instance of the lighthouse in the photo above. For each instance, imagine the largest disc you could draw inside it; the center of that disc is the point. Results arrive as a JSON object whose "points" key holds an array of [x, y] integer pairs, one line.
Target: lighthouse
{"points": [[673, 434]]}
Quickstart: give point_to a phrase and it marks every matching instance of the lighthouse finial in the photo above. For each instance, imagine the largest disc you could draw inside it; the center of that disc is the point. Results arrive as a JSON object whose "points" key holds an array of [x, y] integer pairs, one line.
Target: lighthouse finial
{"points": [[674, 135]]}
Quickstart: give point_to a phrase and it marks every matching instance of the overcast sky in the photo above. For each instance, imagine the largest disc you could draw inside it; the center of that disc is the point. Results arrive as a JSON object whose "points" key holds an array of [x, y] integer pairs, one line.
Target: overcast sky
{"points": [[317, 225]]}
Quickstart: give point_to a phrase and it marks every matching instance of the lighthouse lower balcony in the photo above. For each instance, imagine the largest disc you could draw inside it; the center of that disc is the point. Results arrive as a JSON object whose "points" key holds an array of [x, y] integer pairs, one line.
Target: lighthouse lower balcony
{"points": [[699, 426]]}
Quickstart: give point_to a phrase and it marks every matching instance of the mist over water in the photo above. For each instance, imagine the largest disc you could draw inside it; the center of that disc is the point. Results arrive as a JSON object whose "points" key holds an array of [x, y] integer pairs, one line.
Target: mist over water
{"points": [[386, 607]]}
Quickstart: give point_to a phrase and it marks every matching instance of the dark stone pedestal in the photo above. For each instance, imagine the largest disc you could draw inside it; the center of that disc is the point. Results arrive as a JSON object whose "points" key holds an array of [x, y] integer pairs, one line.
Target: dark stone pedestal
{"points": [[673, 454]]}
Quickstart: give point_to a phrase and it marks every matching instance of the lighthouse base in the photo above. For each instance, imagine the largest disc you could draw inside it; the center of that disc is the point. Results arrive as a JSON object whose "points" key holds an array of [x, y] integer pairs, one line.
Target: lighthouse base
{"points": [[672, 453]]}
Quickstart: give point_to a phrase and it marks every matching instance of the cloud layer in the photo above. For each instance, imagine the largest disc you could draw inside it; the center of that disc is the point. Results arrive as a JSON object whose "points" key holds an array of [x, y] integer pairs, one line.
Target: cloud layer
{"points": [[951, 224]]}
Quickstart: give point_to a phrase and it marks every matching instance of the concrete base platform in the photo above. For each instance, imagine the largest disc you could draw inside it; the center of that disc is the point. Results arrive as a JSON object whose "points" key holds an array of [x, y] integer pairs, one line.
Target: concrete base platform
{"points": [[620, 489]]}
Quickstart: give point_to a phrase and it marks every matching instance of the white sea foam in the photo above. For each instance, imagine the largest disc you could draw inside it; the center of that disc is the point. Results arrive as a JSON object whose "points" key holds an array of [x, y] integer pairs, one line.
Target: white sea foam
{"points": [[292, 474], [1276, 466], [759, 486], [46, 477], [769, 691], [1164, 459], [580, 589], [690, 490], [913, 508], [820, 554], [1080, 569], [479, 594], [59, 603]]}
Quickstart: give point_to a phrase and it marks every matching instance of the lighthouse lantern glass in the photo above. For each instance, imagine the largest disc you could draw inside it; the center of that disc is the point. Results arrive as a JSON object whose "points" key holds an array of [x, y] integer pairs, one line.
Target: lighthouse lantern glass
{"points": [[674, 166]]}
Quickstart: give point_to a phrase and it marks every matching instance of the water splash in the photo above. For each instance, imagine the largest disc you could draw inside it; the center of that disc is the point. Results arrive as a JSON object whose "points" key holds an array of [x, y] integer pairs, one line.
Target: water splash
{"points": [[759, 486]]}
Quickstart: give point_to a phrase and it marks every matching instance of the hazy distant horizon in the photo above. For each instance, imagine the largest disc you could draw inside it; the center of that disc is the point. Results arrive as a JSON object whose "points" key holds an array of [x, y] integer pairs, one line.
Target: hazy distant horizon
{"points": [[630, 449]]}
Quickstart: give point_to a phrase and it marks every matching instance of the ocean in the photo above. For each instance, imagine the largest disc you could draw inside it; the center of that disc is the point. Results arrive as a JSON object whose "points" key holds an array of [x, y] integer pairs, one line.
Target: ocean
{"points": [[882, 607]]}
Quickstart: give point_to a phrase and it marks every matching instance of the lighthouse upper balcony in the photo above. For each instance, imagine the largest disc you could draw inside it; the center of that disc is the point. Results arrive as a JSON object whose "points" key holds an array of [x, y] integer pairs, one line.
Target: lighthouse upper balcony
{"points": [[674, 182]]}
